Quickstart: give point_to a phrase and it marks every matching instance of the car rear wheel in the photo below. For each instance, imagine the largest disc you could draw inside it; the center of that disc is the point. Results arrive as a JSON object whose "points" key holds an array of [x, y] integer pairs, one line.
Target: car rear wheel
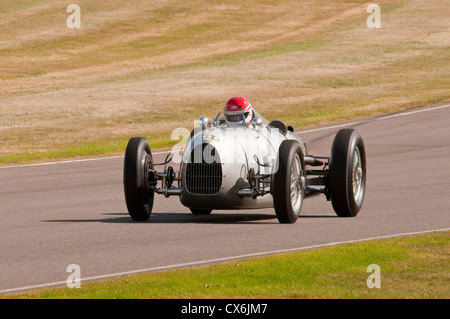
{"points": [[288, 187], [138, 194], [347, 173]]}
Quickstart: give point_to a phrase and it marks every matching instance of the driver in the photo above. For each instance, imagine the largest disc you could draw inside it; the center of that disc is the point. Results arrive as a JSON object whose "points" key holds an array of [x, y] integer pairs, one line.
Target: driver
{"points": [[238, 110]]}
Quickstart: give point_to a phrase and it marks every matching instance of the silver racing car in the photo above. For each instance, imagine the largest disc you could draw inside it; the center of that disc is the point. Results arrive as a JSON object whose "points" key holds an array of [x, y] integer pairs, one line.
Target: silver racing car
{"points": [[233, 166]]}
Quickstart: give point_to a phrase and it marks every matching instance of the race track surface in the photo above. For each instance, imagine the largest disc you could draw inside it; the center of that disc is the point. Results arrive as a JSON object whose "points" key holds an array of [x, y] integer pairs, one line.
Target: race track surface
{"points": [[74, 212]]}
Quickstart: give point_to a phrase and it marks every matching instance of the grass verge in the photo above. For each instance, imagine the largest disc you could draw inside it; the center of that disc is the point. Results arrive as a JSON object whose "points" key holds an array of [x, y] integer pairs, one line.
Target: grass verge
{"points": [[410, 267], [102, 148]]}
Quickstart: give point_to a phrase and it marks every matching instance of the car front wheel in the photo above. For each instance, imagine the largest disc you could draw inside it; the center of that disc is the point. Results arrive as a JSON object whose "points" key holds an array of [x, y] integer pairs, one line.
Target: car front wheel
{"points": [[288, 187], [138, 194]]}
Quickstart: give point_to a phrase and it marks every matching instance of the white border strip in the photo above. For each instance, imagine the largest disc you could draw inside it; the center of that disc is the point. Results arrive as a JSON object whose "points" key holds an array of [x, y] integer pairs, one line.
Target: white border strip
{"points": [[63, 162], [300, 132], [376, 119], [74, 161], [414, 112], [217, 260]]}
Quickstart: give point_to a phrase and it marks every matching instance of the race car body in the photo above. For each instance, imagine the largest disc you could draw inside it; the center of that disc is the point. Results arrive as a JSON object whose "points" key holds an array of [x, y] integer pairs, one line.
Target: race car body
{"points": [[261, 165], [218, 159]]}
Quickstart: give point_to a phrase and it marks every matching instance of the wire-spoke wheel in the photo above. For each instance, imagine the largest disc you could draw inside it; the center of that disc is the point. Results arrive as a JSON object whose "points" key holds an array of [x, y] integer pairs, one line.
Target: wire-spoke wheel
{"points": [[347, 180], [138, 194], [288, 186]]}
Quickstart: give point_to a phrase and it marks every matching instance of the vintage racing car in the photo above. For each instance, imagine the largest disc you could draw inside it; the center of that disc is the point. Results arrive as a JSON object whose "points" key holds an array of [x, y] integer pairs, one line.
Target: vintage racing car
{"points": [[261, 165]]}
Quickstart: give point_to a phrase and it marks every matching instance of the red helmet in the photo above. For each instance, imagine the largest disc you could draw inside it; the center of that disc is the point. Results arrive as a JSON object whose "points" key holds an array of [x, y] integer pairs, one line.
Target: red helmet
{"points": [[238, 110]]}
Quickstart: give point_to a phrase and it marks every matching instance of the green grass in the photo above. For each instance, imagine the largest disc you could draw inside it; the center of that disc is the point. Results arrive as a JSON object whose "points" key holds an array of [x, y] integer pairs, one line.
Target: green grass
{"points": [[102, 148], [410, 267], [7, 5]]}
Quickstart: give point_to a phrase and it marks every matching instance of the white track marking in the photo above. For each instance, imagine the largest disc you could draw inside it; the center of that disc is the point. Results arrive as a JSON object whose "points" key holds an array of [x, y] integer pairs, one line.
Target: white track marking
{"points": [[376, 119], [330, 127], [217, 260], [63, 162], [414, 112], [75, 161], [300, 132]]}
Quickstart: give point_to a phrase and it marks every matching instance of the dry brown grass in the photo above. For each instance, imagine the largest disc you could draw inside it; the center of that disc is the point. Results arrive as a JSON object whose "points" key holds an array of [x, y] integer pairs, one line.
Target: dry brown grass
{"points": [[147, 68]]}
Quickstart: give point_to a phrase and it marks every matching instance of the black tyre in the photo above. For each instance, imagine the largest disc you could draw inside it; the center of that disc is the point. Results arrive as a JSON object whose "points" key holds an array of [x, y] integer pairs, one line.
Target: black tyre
{"points": [[138, 195], [288, 184], [197, 211], [347, 183]]}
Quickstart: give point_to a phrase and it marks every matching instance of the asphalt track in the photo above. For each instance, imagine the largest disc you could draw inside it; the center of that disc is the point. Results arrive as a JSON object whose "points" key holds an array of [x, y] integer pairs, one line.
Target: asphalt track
{"points": [[73, 212]]}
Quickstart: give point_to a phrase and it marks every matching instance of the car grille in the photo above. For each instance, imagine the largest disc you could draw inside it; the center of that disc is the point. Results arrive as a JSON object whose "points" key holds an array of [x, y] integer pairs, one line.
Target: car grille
{"points": [[204, 171]]}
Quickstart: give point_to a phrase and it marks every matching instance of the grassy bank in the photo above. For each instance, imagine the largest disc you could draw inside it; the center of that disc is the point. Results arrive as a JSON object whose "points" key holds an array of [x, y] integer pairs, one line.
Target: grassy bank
{"points": [[410, 267], [146, 69]]}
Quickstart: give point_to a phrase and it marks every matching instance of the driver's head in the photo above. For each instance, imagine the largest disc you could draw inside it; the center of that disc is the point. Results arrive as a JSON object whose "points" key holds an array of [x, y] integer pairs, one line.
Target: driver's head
{"points": [[238, 110]]}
